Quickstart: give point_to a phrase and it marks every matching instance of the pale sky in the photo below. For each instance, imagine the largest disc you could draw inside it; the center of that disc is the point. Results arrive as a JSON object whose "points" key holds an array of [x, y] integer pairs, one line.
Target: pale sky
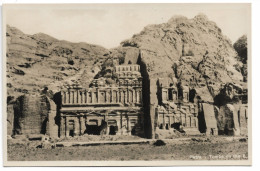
{"points": [[108, 25]]}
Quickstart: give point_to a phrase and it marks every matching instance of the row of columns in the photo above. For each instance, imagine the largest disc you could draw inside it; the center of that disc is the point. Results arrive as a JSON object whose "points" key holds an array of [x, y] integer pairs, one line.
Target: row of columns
{"points": [[79, 124], [122, 68], [130, 83], [79, 96], [165, 95], [185, 120]]}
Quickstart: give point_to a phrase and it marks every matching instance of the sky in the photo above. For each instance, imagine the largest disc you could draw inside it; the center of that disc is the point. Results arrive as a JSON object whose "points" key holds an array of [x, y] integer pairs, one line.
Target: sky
{"points": [[109, 24]]}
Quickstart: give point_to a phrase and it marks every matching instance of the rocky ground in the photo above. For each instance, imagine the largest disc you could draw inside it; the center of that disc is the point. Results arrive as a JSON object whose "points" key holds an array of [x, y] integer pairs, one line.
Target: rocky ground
{"points": [[87, 138], [212, 148]]}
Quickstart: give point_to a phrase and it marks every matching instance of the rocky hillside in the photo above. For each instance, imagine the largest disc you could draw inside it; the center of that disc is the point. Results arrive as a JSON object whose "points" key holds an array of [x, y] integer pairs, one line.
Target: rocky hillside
{"points": [[38, 61], [192, 51]]}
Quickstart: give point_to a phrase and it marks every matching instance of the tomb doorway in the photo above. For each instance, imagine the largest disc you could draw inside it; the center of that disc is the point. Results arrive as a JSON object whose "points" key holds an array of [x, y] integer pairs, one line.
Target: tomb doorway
{"points": [[170, 97], [112, 130], [167, 126], [92, 127], [176, 125], [192, 95], [71, 128]]}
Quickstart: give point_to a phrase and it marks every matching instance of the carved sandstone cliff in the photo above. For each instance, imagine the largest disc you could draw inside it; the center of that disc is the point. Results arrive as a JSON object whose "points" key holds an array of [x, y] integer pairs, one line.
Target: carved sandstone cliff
{"points": [[194, 51]]}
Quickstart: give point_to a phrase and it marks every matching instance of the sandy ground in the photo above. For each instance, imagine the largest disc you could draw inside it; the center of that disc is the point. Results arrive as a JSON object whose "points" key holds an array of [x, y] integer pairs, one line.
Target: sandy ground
{"points": [[215, 148]]}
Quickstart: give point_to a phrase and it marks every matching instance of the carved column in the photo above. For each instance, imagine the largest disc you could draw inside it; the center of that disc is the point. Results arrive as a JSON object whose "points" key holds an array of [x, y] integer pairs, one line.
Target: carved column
{"points": [[125, 97], [97, 96], [79, 96], [128, 126], [141, 101], [117, 96], [137, 96], [76, 126], [112, 96], [108, 129], [63, 94], [62, 127], [75, 97], [122, 96], [169, 126], [66, 126], [92, 95], [83, 97], [134, 101], [86, 96], [119, 132], [109, 96], [164, 120], [80, 125], [70, 95], [67, 97]]}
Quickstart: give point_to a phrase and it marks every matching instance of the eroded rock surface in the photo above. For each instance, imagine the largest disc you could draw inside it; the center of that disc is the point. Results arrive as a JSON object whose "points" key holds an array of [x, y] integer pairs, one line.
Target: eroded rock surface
{"points": [[36, 61], [194, 51]]}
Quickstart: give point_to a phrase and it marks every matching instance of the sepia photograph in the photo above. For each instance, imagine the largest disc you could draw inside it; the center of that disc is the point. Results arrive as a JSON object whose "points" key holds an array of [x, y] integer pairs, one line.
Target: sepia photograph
{"points": [[127, 84]]}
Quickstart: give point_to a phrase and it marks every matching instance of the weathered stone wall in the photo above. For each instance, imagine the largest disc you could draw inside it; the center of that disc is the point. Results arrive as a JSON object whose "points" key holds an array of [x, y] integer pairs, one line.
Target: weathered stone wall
{"points": [[243, 119], [31, 114], [207, 119], [242, 114], [10, 119], [228, 120], [52, 128]]}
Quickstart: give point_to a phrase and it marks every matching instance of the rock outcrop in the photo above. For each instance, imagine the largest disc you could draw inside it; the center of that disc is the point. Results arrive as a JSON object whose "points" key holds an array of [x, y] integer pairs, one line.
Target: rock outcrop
{"points": [[194, 51]]}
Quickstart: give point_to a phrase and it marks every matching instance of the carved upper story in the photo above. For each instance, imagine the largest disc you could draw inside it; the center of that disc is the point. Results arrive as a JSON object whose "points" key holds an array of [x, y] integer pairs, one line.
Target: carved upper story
{"points": [[169, 92], [127, 68], [126, 91]]}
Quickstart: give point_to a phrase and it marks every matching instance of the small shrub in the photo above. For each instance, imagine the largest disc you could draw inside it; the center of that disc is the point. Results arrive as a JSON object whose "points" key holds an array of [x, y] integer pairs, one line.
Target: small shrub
{"points": [[242, 140], [159, 143], [70, 61]]}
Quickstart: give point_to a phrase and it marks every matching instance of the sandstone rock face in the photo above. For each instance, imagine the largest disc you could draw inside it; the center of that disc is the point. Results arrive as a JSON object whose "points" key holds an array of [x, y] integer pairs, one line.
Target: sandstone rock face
{"points": [[243, 119], [36, 61], [228, 120], [52, 127], [194, 51], [31, 115], [10, 119], [242, 115], [207, 119]]}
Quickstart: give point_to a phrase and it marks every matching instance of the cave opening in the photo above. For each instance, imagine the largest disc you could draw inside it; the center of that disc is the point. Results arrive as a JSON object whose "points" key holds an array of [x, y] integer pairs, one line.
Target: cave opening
{"points": [[192, 94]]}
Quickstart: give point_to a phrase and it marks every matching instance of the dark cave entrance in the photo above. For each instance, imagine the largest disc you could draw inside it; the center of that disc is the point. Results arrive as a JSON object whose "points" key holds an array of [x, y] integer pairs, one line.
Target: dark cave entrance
{"points": [[92, 130], [92, 127], [170, 97], [176, 125], [192, 95]]}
